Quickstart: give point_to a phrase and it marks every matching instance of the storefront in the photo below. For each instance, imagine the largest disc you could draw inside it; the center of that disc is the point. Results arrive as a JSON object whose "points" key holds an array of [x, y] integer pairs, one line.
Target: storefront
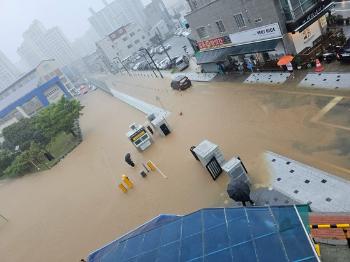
{"points": [[306, 31], [258, 44]]}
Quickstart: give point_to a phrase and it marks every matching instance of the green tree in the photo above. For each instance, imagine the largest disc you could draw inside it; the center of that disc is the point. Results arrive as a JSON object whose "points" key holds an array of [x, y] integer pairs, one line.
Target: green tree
{"points": [[59, 117], [6, 158], [21, 134], [25, 162]]}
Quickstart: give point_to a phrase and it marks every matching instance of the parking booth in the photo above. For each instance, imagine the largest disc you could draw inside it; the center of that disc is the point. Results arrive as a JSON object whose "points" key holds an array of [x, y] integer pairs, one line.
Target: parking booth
{"points": [[139, 137], [211, 157], [236, 170]]}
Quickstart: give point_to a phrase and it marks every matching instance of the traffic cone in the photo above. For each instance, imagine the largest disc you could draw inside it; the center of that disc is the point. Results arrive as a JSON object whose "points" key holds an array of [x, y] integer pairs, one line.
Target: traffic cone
{"points": [[319, 66]]}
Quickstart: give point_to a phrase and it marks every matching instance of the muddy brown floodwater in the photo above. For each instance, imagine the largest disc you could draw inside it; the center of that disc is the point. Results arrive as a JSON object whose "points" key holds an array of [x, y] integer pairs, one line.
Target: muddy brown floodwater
{"points": [[76, 207]]}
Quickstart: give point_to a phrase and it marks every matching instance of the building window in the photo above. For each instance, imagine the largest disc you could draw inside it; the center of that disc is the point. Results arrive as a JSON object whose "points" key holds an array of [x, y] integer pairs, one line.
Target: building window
{"points": [[129, 46], [202, 32], [125, 38], [132, 34], [136, 41], [220, 26], [239, 20]]}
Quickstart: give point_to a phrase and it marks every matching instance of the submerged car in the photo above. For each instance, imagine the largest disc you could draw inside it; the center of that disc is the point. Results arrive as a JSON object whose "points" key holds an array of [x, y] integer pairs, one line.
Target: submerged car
{"points": [[180, 82]]}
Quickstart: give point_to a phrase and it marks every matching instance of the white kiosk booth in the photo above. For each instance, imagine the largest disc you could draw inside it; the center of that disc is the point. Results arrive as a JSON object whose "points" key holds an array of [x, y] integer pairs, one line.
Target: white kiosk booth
{"points": [[139, 137]]}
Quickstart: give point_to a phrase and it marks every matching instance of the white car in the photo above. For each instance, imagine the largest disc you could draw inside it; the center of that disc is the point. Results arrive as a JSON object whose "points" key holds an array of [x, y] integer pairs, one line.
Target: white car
{"points": [[164, 64], [136, 66], [160, 50]]}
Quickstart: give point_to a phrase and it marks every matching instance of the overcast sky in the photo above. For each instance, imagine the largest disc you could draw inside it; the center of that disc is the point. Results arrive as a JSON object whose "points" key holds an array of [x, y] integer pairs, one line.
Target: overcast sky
{"points": [[70, 15]]}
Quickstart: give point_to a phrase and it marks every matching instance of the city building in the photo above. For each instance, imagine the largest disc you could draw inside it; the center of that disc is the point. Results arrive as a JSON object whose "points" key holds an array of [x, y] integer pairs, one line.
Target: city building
{"points": [[231, 31], [94, 63], [40, 43], [33, 91], [85, 45], [122, 43], [8, 72], [116, 14], [159, 18]]}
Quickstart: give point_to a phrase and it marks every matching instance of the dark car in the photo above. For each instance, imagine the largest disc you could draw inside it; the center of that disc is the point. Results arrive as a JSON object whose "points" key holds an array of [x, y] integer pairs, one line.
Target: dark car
{"points": [[344, 55], [180, 83]]}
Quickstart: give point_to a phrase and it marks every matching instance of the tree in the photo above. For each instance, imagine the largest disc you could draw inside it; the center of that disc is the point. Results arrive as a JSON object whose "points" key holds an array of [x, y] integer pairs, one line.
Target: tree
{"points": [[25, 162], [6, 158], [21, 134], [59, 117]]}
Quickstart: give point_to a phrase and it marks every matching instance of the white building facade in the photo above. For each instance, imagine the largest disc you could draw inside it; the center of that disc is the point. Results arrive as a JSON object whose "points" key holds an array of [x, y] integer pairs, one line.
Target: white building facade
{"points": [[116, 14], [123, 43], [8, 72], [41, 44]]}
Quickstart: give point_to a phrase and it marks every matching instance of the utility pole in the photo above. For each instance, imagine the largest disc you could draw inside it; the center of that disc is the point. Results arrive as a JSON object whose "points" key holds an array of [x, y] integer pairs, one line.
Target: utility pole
{"points": [[144, 56], [144, 49], [160, 41], [122, 64]]}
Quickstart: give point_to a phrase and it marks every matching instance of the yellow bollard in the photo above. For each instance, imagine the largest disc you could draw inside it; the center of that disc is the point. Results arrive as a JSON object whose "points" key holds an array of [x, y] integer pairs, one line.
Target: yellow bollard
{"points": [[122, 187], [151, 165], [127, 181], [318, 250]]}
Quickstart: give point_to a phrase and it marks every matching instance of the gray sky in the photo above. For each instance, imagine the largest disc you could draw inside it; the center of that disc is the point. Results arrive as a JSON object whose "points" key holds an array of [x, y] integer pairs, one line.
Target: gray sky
{"points": [[70, 15]]}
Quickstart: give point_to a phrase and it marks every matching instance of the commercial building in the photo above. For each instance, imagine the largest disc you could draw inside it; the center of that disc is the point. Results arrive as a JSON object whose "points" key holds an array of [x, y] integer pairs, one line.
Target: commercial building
{"points": [[121, 44], [8, 72], [159, 18], [40, 43], [116, 14], [231, 31], [31, 92]]}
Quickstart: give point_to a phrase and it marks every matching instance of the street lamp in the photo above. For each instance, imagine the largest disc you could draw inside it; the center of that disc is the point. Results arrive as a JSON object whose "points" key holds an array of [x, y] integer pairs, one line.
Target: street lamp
{"points": [[144, 49], [122, 64]]}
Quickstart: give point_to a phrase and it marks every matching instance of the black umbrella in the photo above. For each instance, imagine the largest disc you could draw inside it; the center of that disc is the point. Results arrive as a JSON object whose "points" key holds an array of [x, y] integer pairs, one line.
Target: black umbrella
{"points": [[238, 190], [128, 160]]}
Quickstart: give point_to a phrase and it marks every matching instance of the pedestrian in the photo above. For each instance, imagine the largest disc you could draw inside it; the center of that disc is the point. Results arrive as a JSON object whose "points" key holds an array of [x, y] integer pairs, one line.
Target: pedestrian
{"points": [[240, 68], [128, 160], [250, 65], [290, 69], [239, 191]]}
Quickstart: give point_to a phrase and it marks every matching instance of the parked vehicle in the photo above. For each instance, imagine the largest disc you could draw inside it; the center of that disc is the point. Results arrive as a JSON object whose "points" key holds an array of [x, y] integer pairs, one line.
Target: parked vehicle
{"points": [[344, 55], [180, 82], [167, 47], [160, 50], [182, 63], [164, 64], [136, 66], [178, 31], [83, 89]]}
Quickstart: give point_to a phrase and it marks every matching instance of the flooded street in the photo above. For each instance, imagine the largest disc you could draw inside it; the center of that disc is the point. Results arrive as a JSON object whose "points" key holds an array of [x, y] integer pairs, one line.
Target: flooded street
{"points": [[76, 207]]}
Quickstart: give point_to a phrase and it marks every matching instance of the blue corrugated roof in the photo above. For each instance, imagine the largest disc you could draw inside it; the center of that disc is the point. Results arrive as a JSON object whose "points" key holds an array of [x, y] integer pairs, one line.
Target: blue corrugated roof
{"points": [[218, 234]]}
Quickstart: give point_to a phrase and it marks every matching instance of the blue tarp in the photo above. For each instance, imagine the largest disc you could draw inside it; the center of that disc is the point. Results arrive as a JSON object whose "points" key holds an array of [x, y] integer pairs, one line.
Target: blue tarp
{"points": [[218, 234]]}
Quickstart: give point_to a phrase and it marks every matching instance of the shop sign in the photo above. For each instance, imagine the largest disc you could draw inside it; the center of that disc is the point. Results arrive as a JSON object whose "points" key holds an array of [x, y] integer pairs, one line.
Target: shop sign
{"points": [[213, 43], [117, 33], [256, 34]]}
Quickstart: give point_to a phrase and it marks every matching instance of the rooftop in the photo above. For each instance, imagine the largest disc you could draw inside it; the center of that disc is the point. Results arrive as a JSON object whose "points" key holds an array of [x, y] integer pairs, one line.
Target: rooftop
{"points": [[216, 234]]}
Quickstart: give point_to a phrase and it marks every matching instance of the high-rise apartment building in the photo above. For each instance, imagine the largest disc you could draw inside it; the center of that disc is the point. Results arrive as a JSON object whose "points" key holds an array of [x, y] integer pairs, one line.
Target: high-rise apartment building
{"points": [[8, 72], [116, 14], [40, 43]]}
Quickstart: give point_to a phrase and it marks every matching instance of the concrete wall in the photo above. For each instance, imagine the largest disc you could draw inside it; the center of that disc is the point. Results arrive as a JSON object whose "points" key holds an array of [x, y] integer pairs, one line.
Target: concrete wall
{"points": [[255, 13]]}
